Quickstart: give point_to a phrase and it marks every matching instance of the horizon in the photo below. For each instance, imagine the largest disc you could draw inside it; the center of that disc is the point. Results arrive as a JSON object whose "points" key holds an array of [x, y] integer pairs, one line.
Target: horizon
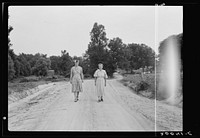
{"points": [[46, 30]]}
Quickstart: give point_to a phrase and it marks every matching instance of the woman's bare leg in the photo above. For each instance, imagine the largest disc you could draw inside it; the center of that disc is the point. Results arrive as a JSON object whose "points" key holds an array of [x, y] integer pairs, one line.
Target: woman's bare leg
{"points": [[99, 98], [75, 97]]}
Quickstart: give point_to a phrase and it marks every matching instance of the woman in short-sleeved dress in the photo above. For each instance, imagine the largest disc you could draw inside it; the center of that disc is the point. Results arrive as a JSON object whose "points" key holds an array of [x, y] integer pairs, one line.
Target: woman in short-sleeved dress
{"points": [[100, 81], [76, 79]]}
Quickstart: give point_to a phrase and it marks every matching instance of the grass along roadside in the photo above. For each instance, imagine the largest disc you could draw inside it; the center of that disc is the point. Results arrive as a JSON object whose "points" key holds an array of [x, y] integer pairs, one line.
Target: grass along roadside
{"points": [[20, 87], [25, 86], [145, 86], [17, 91], [166, 117]]}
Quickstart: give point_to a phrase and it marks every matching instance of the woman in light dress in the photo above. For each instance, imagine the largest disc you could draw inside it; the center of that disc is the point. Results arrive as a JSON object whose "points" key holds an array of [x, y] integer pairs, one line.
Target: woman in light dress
{"points": [[76, 79], [100, 81]]}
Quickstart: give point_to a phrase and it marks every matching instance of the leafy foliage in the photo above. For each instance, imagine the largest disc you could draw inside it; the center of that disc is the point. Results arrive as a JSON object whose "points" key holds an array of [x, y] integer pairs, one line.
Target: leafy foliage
{"points": [[10, 28], [97, 50], [25, 68], [11, 71], [116, 47], [65, 63], [143, 85], [41, 67], [55, 63], [113, 53], [140, 56]]}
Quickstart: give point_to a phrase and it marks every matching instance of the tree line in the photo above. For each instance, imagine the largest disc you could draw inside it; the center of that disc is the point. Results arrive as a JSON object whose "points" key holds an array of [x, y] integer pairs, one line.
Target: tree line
{"points": [[113, 53]]}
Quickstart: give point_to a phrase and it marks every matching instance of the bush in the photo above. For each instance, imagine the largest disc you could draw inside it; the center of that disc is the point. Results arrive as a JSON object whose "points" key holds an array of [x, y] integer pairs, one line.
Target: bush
{"points": [[32, 78], [141, 86], [24, 80], [49, 78], [150, 79], [11, 69], [55, 77], [29, 79], [67, 76], [87, 76]]}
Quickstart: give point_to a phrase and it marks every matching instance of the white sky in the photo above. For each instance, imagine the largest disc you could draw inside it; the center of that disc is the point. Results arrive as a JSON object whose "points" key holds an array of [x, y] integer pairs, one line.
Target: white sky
{"points": [[50, 29]]}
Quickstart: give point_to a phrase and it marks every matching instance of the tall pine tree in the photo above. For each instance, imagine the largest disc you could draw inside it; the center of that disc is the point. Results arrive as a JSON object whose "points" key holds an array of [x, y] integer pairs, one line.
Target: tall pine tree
{"points": [[98, 50]]}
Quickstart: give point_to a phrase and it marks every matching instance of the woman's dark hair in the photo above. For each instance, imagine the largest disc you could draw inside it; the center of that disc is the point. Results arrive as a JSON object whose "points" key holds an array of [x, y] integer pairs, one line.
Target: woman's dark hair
{"points": [[76, 61]]}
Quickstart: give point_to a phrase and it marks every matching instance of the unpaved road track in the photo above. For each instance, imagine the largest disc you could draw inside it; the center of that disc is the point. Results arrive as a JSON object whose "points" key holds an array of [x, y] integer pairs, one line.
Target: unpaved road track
{"points": [[53, 109]]}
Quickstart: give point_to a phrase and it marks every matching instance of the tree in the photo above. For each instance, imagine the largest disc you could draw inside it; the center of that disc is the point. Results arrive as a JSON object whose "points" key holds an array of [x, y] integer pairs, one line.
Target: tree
{"points": [[135, 56], [108, 66], [65, 63], [10, 28], [25, 68], [31, 59], [12, 54], [17, 66], [15, 62], [148, 56], [140, 55], [116, 52], [41, 67], [98, 51], [85, 64], [11, 71], [126, 59], [55, 63]]}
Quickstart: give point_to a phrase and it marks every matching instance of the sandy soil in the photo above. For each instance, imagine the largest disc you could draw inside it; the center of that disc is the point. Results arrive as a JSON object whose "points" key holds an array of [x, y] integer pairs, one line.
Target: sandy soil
{"points": [[52, 108]]}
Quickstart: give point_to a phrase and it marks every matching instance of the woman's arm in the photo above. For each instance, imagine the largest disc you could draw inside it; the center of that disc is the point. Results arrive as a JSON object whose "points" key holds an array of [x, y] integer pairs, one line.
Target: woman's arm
{"points": [[95, 80], [71, 75], [95, 77], [105, 77], [82, 77]]}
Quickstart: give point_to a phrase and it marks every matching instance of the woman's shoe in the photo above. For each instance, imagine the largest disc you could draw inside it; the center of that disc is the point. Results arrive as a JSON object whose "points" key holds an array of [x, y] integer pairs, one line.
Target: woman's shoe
{"points": [[77, 97], [102, 99]]}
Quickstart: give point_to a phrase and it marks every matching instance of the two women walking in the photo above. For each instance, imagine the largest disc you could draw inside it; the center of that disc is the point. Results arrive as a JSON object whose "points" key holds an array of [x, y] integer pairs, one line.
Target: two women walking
{"points": [[76, 79]]}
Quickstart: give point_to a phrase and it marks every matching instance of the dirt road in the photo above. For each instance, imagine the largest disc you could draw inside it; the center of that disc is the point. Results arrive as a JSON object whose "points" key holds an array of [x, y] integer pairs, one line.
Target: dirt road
{"points": [[52, 109]]}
